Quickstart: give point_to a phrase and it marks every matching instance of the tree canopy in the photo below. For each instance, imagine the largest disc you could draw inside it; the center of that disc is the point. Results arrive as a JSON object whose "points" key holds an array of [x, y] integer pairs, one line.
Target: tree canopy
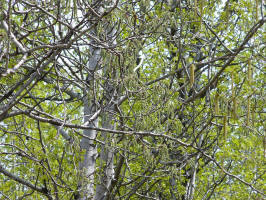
{"points": [[137, 99]]}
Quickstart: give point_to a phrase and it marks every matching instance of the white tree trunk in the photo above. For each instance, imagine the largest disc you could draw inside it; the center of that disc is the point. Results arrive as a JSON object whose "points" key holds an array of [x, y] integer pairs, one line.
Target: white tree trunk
{"points": [[107, 153], [87, 167], [106, 162]]}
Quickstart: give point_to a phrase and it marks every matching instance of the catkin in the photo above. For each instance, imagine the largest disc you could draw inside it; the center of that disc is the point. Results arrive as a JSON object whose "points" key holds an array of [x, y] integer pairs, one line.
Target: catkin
{"points": [[225, 126], [253, 115], [195, 5], [257, 9], [234, 108], [233, 97], [248, 111], [216, 104], [227, 13], [201, 11], [192, 74], [264, 146], [249, 72], [232, 85]]}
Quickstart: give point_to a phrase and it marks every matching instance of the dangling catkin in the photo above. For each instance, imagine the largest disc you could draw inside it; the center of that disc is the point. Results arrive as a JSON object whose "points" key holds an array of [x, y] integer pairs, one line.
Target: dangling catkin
{"points": [[234, 108], [225, 126], [201, 11], [227, 13], [253, 115], [257, 9], [264, 145], [233, 97], [232, 84], [195, 7], [248, 111], [249, 72], [192, 74], [216, 104]]}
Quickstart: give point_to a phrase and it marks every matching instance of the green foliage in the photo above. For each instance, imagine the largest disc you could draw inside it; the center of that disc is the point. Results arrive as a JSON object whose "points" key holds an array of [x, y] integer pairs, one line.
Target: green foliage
{"points": [[168, 138]]}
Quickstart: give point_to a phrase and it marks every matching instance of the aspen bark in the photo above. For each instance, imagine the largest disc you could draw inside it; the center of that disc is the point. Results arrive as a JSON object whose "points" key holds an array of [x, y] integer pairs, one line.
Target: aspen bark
{"points": [[87, 167]]}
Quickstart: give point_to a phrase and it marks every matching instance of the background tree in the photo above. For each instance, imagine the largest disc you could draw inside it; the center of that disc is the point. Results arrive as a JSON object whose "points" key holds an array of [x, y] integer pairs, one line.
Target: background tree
{"points": [[132, 99]]}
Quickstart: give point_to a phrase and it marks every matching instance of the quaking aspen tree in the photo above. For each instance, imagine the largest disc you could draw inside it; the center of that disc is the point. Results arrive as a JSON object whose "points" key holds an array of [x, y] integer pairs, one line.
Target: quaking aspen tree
{"points": [[117, 99]]}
